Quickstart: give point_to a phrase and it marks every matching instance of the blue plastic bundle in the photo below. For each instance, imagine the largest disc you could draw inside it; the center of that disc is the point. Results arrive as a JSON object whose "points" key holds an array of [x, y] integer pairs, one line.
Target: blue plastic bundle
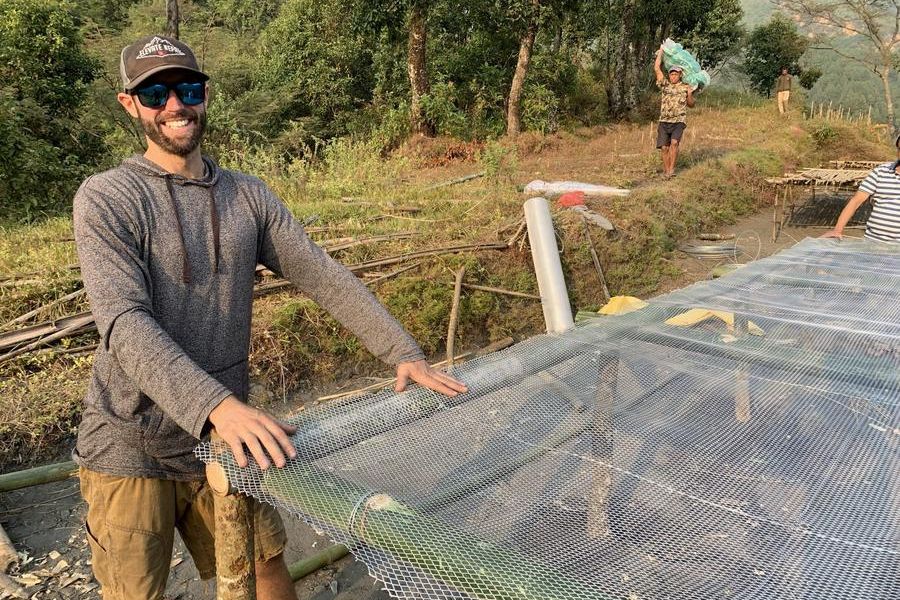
{"points": [[675, 55]]}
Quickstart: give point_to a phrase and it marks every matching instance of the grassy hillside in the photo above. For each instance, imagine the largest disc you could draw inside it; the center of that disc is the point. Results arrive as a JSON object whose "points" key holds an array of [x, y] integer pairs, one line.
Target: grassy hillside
{"points": [[731, 145]]}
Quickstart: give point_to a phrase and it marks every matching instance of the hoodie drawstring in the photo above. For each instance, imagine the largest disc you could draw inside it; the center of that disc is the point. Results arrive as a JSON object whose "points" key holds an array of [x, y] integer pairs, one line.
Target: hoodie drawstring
{"points": [[214, 218], [214, 221], [185, 264]]}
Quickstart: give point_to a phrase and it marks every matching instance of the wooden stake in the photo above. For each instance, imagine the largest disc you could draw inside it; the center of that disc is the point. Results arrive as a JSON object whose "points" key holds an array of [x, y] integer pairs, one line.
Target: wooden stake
{"points": [[8, 556], [454, 315], [485, 288], [595, 258], [37, 476], [235, 551]]}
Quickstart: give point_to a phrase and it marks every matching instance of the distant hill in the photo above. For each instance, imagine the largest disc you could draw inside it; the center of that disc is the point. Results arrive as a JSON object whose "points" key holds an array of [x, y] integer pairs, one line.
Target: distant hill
{"points": [[756, 12]]}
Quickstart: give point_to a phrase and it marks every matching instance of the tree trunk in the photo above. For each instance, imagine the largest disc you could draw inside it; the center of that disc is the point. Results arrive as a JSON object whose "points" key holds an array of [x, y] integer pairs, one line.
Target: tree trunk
{"points": [[418, 74], [172, 18], [513, 110], [622, 87], [885, 73]]}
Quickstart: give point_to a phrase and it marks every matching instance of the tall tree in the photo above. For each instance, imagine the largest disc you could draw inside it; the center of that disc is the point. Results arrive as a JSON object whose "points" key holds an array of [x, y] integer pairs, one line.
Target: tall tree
{"points": [[877, 22], [526, 44], [771, 47], [172, 18], [418, 67], [712, 25]]}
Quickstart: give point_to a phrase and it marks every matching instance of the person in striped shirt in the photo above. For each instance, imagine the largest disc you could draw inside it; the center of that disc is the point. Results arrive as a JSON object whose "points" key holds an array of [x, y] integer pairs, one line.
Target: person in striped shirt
{"points": [[883, 186]]}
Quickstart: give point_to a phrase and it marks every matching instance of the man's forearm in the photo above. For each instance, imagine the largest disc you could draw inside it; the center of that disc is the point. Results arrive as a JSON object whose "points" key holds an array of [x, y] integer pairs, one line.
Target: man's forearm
{"points": [[162, 371]]}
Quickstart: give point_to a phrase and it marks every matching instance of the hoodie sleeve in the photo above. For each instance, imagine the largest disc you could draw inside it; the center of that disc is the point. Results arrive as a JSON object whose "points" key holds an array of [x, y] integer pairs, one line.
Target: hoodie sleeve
{"points": [[118, 285], [286, 249]]}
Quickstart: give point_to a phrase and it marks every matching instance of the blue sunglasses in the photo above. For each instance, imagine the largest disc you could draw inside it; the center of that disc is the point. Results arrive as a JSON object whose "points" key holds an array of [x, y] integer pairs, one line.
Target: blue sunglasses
{"points": [[156, 95]]}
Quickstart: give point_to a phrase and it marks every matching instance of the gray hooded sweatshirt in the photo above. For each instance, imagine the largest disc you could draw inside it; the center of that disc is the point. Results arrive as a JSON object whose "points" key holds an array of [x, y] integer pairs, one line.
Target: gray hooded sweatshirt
{"points": [[169, 266]]}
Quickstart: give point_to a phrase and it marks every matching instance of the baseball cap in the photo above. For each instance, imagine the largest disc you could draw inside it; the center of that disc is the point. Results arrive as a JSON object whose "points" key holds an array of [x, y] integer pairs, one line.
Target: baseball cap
{"points": [[676, 68], [153, 54]]}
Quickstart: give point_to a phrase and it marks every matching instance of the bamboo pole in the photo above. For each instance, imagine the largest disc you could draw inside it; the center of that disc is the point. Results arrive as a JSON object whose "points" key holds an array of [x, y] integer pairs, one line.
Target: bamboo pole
{"points": [[456, 181], [8, 556], [40, 309], [234, 534], [37, 476], [454, 315], [476, 481], [382, 522], [496, 290], [596, 259]]}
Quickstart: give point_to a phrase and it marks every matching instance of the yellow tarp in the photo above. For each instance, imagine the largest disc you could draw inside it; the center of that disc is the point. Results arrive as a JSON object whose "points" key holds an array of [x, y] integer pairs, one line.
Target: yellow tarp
{"points": [[698, 315], [620, 305]]}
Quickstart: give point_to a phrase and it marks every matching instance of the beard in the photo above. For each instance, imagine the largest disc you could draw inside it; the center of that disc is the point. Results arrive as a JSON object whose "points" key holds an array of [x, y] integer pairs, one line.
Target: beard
{"points": [[181, 147]]}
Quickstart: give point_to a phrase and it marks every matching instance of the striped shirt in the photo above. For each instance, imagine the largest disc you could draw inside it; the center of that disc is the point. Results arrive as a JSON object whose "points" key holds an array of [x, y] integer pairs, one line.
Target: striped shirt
{"points": [[883, 184]]}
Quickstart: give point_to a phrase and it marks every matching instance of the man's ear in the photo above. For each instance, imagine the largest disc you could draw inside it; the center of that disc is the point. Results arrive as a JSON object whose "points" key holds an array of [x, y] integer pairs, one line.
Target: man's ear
{"points": [[127, 102]]}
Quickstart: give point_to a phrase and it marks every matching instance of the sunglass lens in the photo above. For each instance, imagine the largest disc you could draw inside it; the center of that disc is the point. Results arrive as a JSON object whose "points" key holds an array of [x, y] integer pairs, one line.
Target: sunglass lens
{"points": [[191, 94], [153, 96]]}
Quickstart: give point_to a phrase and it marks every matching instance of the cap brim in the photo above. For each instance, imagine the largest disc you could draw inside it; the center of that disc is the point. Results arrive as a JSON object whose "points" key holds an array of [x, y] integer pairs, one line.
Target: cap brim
{"points": [[156, 70]]}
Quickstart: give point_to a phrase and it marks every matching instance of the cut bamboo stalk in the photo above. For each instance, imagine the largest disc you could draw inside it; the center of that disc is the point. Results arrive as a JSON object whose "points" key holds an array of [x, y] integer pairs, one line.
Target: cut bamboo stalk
{"points": [[28, 334], [8, 556], [462, 179], [37, 476], [8, 585], [304, 567], [495, 290], [596, 259], [384, 523], [78, 326], [40, 309], [235, 551], [392, 260], [480, 480], [454, 315], [394, 273]]}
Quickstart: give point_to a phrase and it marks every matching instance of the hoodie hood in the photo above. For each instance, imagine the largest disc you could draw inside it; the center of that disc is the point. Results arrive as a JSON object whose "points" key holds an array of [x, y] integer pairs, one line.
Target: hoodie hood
{"points": [[146, 167], [140, 164]]}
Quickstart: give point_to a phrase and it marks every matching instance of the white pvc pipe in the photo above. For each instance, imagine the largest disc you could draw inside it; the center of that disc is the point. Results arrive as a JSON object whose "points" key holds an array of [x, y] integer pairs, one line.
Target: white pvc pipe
{"points": [[544, 253]]}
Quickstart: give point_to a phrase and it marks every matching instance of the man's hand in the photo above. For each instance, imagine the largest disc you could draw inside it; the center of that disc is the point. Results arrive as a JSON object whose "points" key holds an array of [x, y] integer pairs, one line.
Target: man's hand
{"points": [[834, 233], [425, 375], [240, 425]]}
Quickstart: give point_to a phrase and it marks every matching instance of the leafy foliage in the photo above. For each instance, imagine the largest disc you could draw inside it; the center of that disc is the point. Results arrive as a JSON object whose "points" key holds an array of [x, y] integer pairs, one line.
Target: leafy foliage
{"points": [[771, 47], [44, 72]]}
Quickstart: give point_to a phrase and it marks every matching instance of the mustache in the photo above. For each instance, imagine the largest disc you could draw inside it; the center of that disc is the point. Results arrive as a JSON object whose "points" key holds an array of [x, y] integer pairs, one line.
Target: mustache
{"points": [[184, 113]]}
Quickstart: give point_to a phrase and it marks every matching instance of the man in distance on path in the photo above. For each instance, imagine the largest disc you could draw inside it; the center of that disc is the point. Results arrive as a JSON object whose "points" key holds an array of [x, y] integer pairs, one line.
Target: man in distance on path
{"points": [[168, 244]]}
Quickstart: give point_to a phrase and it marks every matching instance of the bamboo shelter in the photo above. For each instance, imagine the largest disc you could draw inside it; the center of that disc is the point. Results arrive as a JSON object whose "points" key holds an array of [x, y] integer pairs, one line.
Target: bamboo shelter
{"points": [[739, 438], [844, 176]]}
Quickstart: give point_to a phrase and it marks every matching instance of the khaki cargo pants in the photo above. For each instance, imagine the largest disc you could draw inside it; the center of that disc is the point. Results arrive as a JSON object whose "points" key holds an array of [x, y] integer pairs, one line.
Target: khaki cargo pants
{"points": [[131, 526]]}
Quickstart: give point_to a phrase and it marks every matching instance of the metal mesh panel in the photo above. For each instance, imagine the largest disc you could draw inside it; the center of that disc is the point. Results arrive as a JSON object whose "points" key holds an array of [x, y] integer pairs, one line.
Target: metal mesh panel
{"points": [[631, 458]]}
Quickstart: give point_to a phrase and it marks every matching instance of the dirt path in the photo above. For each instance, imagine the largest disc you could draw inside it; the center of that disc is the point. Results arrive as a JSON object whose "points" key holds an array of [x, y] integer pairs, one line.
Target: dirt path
{"points": [[45, 523]]}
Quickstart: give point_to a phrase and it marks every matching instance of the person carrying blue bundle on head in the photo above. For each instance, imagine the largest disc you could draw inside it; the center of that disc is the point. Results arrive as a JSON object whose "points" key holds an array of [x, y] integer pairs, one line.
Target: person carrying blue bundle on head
{"points": [[677, 97]]}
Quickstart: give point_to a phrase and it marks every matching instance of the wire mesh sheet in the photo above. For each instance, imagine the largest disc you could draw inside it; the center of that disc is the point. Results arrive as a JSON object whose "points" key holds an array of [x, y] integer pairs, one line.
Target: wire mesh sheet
{"points": [[749, 452]]}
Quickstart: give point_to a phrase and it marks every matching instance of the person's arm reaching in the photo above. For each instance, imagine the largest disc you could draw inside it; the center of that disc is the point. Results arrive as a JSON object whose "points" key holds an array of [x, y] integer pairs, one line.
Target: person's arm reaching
{"points": [[117, 281], [852, 205], [690, 97]]}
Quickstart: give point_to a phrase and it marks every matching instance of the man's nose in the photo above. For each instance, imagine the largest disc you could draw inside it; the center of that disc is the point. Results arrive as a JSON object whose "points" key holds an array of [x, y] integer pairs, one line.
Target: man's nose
{"points": [[173, 102]]}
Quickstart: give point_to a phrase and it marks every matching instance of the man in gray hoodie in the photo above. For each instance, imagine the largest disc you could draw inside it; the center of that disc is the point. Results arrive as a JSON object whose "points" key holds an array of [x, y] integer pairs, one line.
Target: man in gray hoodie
{"points": [[168, 244]]}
